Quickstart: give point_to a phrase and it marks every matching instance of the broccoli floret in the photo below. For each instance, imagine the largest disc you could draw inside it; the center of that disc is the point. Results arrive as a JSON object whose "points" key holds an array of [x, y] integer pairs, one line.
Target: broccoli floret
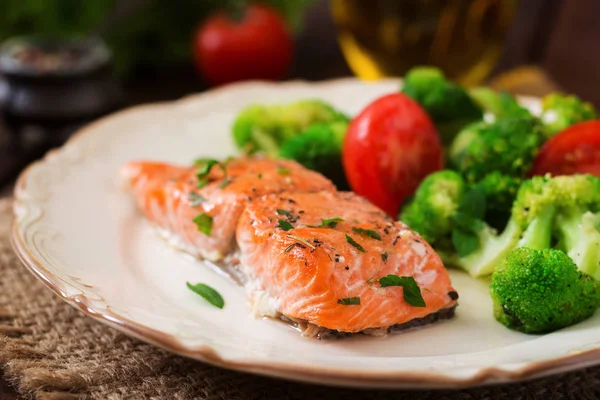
{"points": [[498, 104], [538, 291], [530, 225], [448, 104], [436, 201], [545, 209], [561, 111], [319, 148], [507, 146], [578, 220], [500, 192], [260, 128]]}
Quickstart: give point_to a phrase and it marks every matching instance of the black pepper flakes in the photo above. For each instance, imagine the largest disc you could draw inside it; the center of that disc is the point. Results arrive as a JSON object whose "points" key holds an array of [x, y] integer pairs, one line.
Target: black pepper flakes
{"points": [[347, 268], [453, 295]]}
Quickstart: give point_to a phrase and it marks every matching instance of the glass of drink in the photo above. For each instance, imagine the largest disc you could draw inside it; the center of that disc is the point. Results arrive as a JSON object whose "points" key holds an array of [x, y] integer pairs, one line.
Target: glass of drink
{"points": [[465, 38]]}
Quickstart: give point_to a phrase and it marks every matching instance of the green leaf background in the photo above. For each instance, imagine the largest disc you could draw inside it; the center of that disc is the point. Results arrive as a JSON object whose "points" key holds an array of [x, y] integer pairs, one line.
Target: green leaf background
{"points": [[158, 33]]}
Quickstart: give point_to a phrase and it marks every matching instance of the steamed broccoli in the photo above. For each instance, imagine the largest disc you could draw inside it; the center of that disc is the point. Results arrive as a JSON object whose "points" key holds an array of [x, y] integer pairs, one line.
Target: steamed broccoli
{"points": [[561, 111], [561, 212], [448, 104], [500, 192], [319, 148], [537, 291], [260, 128], [507, 146], [546, 209], [498, 104], [436, 201]]}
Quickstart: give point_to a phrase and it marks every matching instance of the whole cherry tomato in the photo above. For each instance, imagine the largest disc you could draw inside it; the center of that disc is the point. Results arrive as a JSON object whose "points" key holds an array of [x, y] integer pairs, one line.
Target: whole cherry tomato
{"points": [[253, 45], [574, 150], [388, 150]]}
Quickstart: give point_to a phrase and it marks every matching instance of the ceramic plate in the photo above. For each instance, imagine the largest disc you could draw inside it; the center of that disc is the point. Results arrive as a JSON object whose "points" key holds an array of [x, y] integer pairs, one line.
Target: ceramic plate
{"points": [[77, 230]]}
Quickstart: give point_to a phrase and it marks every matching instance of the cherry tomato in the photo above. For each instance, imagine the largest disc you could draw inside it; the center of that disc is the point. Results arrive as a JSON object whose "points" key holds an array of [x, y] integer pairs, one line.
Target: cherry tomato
{"points": [[388, 150], [574, 150], [257, 45]]}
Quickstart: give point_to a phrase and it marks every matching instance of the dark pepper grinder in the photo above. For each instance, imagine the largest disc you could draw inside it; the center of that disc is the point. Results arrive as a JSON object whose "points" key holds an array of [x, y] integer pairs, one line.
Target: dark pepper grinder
{"points": [[56, 84]]}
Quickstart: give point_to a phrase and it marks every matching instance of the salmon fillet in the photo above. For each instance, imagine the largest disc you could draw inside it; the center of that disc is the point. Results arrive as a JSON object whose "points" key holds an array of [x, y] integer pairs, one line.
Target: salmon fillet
{"points": [[306, 271], [169, 197]]}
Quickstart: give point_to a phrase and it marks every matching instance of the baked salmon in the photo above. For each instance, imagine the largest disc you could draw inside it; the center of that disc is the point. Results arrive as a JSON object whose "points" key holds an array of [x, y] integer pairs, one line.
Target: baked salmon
{"points": [[198, 207], [317, 259]]}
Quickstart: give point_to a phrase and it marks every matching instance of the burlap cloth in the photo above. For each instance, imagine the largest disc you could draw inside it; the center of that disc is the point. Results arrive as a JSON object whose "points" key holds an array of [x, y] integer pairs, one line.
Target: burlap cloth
{"points": [[51, 351]]}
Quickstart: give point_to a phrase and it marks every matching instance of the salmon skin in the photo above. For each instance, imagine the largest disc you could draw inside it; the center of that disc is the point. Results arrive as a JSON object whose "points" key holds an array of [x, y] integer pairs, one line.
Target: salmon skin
{"points": [[171, 199], [318, 258]]}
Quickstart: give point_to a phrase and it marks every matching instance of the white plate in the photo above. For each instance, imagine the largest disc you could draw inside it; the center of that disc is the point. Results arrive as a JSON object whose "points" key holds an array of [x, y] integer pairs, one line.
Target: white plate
{"points": [[79, 232]]}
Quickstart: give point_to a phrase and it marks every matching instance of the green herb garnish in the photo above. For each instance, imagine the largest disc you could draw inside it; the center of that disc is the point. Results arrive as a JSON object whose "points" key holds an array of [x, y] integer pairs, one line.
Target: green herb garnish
{"points": [[412, 292], [355, 244], [283, 171], [283, 212], [286, 226], [328, 223], [195, 199], [205, 167], [384, 256], [260, 176], [204, 223], [367, 232], [331, 222], [224, 183], [209, 294], [291, 246], [349, 301], [303, 241]]}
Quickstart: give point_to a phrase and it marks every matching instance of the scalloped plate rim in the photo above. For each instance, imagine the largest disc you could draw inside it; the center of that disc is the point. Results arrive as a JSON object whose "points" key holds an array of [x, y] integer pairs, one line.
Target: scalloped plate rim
{"points": [[331, 376]]}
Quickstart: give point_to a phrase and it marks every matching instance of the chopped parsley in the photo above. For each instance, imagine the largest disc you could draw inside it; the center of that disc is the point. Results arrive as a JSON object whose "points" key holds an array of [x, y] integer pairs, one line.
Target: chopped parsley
{"points": [[224, 183], [209, 294], [286, 226], [328, 223], [206, 166], [331, 223], [283, 212], [260, 176], [283, 171], [355, 244], [204, 223], [349, 301], [367, 232], [384, 256], [412, 292], [195, 199]]}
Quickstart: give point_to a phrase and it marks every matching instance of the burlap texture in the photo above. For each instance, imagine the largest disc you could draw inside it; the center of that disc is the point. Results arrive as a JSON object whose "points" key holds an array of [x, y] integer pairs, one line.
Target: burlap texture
{"points": [[51, 351]]}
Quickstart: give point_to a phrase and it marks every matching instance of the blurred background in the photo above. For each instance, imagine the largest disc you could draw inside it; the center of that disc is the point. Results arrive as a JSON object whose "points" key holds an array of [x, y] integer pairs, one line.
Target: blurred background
{"points": [[64, 63]]}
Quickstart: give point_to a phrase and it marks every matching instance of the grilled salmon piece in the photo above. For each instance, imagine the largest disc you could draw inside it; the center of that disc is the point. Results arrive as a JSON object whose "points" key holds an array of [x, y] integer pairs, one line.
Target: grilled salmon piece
{"points": [[304, 265], [169, 197]]}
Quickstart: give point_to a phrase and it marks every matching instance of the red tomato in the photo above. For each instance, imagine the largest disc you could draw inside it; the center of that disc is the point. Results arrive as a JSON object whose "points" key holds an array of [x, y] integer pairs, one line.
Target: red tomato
{"points": [[389, 148], [257, 46], [574, 150]]}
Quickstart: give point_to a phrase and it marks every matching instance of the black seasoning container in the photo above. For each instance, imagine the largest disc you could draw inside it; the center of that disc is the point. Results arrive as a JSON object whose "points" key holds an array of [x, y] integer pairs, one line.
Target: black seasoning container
{"points": [[56, 84], [48, 89]]}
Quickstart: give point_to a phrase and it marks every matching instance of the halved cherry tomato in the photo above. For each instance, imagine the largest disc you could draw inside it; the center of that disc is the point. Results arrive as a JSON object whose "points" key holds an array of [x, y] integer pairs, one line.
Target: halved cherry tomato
{"points": [[574, 150], [389, 148]]}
